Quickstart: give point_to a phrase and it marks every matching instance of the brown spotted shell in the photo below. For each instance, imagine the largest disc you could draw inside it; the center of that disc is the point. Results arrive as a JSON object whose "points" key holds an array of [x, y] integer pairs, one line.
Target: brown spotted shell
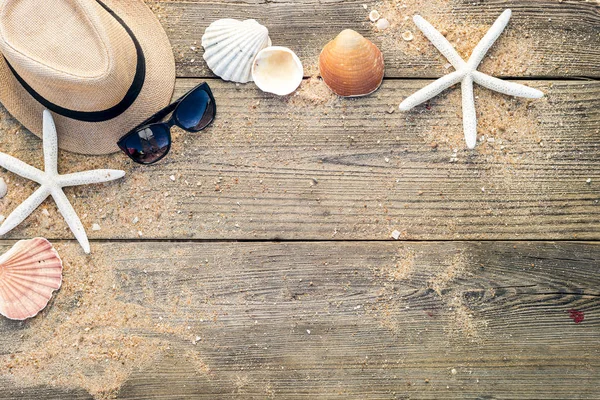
{"points": [[351, 65]]}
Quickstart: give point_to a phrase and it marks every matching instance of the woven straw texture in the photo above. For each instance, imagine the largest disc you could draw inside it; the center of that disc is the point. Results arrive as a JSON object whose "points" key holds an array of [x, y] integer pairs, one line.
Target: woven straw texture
{"points": [[78, 56]]}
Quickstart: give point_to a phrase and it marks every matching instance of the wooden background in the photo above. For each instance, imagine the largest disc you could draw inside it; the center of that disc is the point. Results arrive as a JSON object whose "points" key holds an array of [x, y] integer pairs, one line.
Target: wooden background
{"points": [[270, 232]]}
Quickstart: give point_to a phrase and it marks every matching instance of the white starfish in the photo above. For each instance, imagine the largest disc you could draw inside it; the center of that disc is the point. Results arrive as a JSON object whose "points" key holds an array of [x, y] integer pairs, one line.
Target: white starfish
{"points": [[466, 73], [52, 183]]}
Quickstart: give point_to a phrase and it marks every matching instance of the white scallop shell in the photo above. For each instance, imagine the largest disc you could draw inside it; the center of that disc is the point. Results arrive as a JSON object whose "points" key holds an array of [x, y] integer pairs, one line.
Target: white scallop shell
{"points": [[277, 70], [231, 45], [29, 272]]}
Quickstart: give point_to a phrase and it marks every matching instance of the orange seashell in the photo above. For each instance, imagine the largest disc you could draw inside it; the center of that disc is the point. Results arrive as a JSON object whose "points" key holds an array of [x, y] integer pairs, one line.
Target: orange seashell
{"points": [[351, 65], [29, 272]]}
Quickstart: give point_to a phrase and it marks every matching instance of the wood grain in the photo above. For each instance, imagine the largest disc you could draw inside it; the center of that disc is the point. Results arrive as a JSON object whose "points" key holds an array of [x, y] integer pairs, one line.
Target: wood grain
{"points": [[358, 320], [308, 167], [256, 260], [555, 39]]}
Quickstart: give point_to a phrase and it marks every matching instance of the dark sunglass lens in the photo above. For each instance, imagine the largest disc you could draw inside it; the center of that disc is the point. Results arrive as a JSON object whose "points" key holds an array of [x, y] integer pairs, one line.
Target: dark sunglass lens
{"points": [[147, 145], [196, 111]]}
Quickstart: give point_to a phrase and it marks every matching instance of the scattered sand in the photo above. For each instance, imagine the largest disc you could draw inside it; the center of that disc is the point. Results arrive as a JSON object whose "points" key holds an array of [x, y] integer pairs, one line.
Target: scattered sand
{"points": [[136, 194], [454, 270], [505, 125], [402, 270], [89, 337], [399, 14], [390, 276], [313, 92], [463, 32], [462, 322]]}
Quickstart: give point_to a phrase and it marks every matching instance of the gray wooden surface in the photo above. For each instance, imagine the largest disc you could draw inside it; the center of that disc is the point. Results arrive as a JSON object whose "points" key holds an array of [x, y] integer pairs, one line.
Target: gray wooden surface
{"points": [[262, 264], [348, 319], [348, 169]]}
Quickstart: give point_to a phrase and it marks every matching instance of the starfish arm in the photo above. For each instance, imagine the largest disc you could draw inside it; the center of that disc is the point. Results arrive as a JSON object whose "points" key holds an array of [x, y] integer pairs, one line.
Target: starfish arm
{"points": [[87, 177], [50, 144], [20, 168], [24, 209], [469, 114], [431, 90], [505, 87], [69, 214], [489, 39], [439, 41]]}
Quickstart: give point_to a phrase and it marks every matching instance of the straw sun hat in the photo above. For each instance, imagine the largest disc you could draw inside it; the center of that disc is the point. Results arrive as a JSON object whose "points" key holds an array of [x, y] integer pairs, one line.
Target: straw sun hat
{"points": [[101, 67]]}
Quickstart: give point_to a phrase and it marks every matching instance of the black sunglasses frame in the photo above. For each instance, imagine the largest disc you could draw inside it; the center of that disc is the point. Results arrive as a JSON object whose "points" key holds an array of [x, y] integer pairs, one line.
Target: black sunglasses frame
{"points": [[160, 115]]}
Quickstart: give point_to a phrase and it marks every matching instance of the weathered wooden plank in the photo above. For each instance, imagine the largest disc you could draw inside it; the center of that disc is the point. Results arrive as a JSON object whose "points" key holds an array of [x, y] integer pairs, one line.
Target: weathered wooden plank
{"points": [[312, 166], [544, 39], [358, 320], [9, 391]]}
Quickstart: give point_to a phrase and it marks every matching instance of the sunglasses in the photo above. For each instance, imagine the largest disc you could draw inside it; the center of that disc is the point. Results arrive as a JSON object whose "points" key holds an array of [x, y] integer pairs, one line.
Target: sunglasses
{"points": [[150, 141]]}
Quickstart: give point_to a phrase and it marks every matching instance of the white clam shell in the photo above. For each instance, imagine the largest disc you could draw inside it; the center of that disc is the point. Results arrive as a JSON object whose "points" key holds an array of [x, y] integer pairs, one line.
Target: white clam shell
{"points": [[277, 70], [29, 272], [230, 47]]}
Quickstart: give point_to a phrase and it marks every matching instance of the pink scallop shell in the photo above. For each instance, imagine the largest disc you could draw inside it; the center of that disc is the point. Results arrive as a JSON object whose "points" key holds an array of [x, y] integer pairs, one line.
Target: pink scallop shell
{"points": [[29, 272]]}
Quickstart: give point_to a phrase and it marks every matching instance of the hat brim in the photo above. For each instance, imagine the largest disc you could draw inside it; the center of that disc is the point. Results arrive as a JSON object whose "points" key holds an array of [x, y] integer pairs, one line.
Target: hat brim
{"points": [[101, 137]]}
